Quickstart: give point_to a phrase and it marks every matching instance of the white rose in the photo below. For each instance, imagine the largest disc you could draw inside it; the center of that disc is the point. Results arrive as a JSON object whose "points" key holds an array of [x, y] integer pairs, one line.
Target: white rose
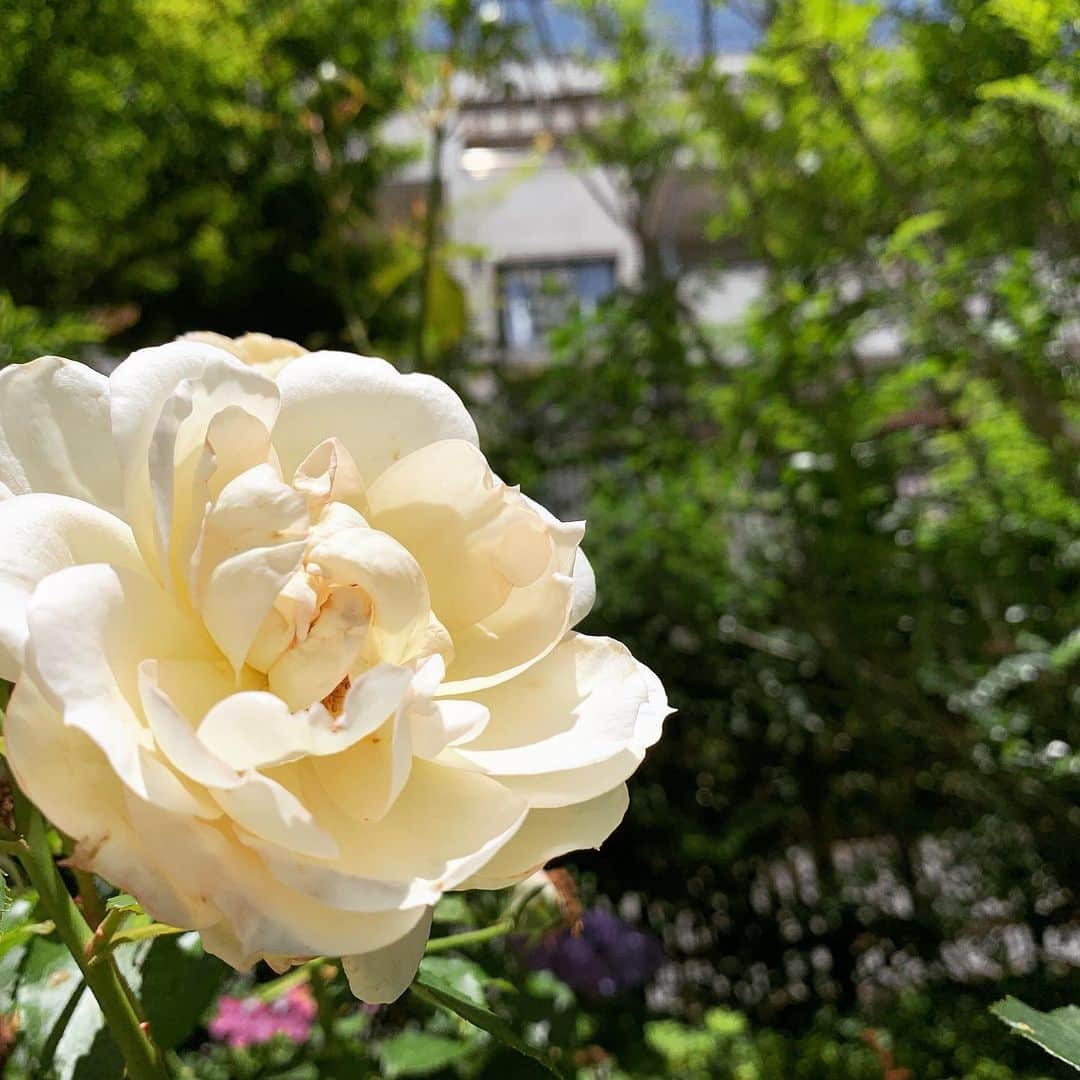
{"points": [[290, 661]]}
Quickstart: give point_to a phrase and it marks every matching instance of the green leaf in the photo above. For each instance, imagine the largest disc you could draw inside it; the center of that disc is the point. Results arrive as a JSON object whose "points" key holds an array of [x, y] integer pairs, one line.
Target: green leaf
{"points": [[1041, 22], [16, 931], [12, 185], [122, 902], [430, 988], [912, 229], [66, 1034], [1026, 90], [448, 316], [1057, 1032], [418, 1053], [146, 933], [453, 909], [179, 984], [49, 979], [1066, 653], [461, 975]]}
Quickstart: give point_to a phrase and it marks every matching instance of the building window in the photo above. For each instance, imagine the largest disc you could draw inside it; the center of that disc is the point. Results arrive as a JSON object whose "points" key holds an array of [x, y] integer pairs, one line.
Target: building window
{"points": [[536, 297]]}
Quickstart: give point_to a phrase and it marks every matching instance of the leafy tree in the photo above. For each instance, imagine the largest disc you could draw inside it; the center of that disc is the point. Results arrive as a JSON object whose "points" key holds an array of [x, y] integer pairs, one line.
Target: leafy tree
{"points": [[208, 163], [845, 531]]}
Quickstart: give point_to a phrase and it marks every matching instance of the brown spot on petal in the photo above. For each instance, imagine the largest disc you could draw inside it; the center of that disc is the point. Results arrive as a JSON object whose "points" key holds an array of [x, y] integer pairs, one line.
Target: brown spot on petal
{"points": [[335, 700]]}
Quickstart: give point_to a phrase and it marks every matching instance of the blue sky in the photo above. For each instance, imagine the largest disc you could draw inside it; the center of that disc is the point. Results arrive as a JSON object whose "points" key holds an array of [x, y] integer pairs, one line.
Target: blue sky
{"points": [[679, 21]]}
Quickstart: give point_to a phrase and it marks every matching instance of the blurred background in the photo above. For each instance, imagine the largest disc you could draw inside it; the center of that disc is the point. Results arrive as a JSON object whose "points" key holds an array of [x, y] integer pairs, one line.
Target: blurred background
{"points": [[784, 298]]}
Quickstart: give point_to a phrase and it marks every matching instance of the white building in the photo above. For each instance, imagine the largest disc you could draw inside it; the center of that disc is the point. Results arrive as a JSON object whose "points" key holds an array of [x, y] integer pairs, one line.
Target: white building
{"points": [[538, 232]]}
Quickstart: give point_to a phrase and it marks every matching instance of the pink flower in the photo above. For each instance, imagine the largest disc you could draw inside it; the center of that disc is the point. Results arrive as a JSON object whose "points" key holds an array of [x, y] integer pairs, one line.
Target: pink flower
{"points": [[249, 1021]]}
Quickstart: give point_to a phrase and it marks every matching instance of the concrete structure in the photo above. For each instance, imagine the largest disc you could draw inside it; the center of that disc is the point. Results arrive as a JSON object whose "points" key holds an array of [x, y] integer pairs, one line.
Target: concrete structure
{"points": [[539, 232]]}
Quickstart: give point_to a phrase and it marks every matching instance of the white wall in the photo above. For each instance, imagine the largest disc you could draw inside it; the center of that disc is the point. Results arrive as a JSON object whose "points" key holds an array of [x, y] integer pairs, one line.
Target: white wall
{"points": [[531, 206]]}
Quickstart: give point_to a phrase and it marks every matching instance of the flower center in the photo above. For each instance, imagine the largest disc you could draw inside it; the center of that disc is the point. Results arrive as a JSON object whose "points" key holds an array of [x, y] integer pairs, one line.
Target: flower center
{"points": [[334, 702]]}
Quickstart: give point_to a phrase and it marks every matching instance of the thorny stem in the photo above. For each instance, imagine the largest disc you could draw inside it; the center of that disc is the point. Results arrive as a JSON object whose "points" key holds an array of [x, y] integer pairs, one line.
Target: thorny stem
{"points": [[141, 1055], [92, 906]]}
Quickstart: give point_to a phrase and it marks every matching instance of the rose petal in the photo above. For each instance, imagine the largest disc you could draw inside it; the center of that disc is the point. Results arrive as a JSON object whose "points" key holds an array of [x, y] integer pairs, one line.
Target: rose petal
{"points": [[70, 780], [259, 914], [269, 354], [55, 434], [253, 541], [270, 810], [439, 724], [392, 579], [382, 863], [258, 803], [463, 817], [363, 781], [257, 730], [40, 534], [547, 834], [383, 975], [573, 726], [90, 628], [379, 414], [162, 402]]}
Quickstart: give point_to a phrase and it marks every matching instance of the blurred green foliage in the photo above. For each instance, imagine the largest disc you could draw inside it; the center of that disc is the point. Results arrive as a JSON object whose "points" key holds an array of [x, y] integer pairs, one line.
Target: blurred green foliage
{"points": [[844, 531], [217, 158], [856, 566]]}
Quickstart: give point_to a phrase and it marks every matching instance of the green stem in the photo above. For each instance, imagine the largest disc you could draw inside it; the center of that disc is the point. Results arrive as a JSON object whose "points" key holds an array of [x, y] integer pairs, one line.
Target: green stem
{"points": [[93, 907], [469, 937], [320, 992], [141, 1056], [297, 977], [308, 971]]}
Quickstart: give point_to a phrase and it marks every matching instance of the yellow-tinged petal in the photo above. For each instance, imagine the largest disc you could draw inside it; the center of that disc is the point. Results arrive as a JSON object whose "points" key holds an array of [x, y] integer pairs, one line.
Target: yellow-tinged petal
{"points": [[55, 434], [378, 414], [257, 730], [90, 629], [572, 726], [547, 834], [464, 819], [383, 975], [476, 539], [259, 915], [39, 535], [253, 541], [390, 577], [269, 354], [72, 782], [162, 401], [363, 781], [270, 810]]}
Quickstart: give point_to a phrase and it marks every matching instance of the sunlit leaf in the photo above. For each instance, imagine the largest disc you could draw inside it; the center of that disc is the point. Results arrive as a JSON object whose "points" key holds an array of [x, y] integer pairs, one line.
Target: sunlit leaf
{"points": [[418, 1053], [435, 991], [1057, 1032], [1025, 90]]}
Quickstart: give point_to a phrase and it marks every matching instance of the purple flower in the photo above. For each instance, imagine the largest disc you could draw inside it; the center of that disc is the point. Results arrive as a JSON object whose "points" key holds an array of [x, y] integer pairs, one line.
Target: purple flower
{"points": [[249, 1021], [605, 958]]}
